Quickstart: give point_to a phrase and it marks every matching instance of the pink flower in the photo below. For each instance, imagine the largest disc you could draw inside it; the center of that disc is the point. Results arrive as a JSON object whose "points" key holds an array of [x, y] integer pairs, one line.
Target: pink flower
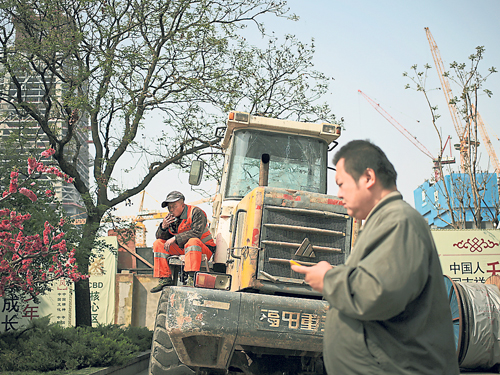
{"points": [[48, 193], [58, 237], [48, 152], [13, 186], [46, 232], [32, 196], [32, 164]]}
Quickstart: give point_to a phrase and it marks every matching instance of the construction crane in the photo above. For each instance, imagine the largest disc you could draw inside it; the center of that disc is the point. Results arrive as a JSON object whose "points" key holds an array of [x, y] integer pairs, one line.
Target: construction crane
{"points": [[412, 139], [461, 132], [487, 142]]}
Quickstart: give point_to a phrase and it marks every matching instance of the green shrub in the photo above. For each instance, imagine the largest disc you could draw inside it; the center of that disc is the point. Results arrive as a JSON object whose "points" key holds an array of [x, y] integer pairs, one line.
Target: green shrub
{"points": [[47, 347]]}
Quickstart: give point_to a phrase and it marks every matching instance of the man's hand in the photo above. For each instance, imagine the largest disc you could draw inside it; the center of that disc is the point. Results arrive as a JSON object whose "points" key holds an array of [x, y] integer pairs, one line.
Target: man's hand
{"points": [[167, 220], [169, 242], [315, 274]]}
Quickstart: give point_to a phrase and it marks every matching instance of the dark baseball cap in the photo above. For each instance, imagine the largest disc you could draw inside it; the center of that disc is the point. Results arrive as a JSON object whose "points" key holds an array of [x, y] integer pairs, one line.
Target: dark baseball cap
{"points": [[173, 196]]}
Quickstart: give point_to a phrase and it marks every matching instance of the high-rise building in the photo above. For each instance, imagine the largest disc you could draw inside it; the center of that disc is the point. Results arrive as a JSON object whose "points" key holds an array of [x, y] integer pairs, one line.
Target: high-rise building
{"points": [[33, 91]]}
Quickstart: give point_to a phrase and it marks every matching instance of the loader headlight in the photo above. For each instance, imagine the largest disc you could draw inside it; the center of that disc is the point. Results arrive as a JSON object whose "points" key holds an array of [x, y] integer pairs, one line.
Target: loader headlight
{"points": [[239, 116], [331, 129], [328, 129]]}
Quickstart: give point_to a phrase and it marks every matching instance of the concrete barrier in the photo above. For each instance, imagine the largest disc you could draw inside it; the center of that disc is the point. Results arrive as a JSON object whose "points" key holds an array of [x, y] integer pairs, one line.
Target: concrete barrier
{"points": [[134, 304]]}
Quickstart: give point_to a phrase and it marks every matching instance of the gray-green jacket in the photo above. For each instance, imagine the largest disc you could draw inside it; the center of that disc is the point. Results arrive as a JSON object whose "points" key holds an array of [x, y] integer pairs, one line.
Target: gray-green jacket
{"points": [[389, 312]]}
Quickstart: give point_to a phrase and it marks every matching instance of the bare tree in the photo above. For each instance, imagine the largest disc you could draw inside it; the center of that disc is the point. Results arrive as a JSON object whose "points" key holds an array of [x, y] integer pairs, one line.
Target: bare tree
{"points": [[110, 65], [464, 191]]}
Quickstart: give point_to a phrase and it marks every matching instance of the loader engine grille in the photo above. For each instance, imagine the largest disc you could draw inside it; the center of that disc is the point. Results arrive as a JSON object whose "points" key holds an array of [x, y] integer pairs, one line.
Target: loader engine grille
{"points": [[285, 228]]}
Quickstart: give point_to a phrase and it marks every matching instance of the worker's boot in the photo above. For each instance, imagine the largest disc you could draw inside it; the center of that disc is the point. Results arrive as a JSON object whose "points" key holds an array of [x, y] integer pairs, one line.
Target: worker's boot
{"points": [[190, 279], [164, 281]]}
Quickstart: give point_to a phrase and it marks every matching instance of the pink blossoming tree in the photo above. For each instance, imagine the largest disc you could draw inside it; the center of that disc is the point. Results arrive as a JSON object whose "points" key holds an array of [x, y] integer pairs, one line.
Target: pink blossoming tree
{"points": [[28, 263]]}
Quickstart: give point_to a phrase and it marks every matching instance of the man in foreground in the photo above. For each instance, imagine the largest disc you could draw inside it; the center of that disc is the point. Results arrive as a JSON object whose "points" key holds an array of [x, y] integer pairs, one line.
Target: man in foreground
{"points": [[183, 231], [389, 311]]}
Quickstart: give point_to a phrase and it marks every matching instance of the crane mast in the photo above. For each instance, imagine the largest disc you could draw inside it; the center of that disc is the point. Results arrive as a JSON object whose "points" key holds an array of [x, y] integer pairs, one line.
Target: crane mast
{"points": [[463, 145], [444, 83], [487, 142], [465, 141]]}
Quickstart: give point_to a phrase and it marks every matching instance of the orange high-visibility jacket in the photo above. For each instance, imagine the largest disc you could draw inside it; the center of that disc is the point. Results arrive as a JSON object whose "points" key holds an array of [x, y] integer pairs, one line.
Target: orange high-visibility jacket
{"points": [[187, 225]]}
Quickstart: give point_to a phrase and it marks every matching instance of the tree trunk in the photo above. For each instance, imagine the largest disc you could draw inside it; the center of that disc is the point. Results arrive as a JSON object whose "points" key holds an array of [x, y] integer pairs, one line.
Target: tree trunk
{"points": [[83, 311], [83, 306]]}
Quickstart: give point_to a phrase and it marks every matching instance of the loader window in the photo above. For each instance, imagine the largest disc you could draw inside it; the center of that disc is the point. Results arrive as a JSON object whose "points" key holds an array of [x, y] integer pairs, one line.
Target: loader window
{"points": [[297, 162]]}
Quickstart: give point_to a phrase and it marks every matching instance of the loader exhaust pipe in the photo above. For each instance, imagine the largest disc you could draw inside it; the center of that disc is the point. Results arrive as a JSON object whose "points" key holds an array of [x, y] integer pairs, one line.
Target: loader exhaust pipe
{"points": [[264, 170]]}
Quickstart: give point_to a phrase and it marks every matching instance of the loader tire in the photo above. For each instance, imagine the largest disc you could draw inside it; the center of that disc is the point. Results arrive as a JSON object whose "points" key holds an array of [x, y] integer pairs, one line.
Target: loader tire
{"points": [[164, 359]]}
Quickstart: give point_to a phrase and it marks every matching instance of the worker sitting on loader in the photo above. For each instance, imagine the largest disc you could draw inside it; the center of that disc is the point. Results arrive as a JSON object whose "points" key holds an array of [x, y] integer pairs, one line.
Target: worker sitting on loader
{"points": [[183, 231]]}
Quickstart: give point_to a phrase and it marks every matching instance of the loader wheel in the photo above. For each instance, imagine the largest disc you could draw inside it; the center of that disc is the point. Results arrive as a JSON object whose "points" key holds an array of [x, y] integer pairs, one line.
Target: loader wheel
{"points": [[164, 359]]}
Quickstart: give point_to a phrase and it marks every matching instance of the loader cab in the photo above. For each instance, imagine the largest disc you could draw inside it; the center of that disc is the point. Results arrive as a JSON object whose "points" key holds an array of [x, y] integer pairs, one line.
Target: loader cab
{"points": [[298, 161], [297, 151]]}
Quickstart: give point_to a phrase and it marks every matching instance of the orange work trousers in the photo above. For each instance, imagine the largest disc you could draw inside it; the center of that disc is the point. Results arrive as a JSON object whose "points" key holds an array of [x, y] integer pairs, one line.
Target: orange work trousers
{"points": [[193, 250]]}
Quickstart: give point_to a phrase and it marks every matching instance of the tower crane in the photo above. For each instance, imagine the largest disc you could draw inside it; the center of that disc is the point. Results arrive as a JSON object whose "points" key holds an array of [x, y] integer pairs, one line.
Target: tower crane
{"points": [[461, 132], [487, 143], [411, 138]]}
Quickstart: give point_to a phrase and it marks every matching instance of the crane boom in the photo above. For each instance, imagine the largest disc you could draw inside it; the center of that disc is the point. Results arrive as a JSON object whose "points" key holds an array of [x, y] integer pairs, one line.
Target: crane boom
{"points": [[438, 162], [397, 125]]}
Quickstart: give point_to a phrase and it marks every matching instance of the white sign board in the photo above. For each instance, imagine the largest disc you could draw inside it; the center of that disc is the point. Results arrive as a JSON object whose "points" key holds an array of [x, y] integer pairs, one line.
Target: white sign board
{"points": [[59, 303], [468, 256]]}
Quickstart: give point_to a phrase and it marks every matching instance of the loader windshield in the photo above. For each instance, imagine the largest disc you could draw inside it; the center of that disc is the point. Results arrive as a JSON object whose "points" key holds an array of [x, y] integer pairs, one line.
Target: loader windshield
{"points": [[297, 162]]}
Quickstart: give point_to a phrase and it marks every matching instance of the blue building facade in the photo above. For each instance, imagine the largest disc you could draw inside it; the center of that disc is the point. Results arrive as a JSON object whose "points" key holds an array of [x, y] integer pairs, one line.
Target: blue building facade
{"points": [[430, 200]]}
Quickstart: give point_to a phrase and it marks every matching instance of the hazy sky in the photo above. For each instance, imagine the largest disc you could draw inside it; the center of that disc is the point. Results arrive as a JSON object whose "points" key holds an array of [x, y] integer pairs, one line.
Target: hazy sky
{"points": [[367, 45]]}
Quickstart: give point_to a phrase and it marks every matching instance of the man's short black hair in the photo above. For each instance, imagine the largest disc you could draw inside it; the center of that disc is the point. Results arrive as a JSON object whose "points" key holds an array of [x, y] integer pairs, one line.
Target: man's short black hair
{"points": [[359, 155]]}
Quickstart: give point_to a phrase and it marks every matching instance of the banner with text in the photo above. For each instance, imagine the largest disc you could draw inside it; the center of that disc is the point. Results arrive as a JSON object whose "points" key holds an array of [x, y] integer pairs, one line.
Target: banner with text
{"points": [[469, 256], [102, 283], [59, 303]]}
